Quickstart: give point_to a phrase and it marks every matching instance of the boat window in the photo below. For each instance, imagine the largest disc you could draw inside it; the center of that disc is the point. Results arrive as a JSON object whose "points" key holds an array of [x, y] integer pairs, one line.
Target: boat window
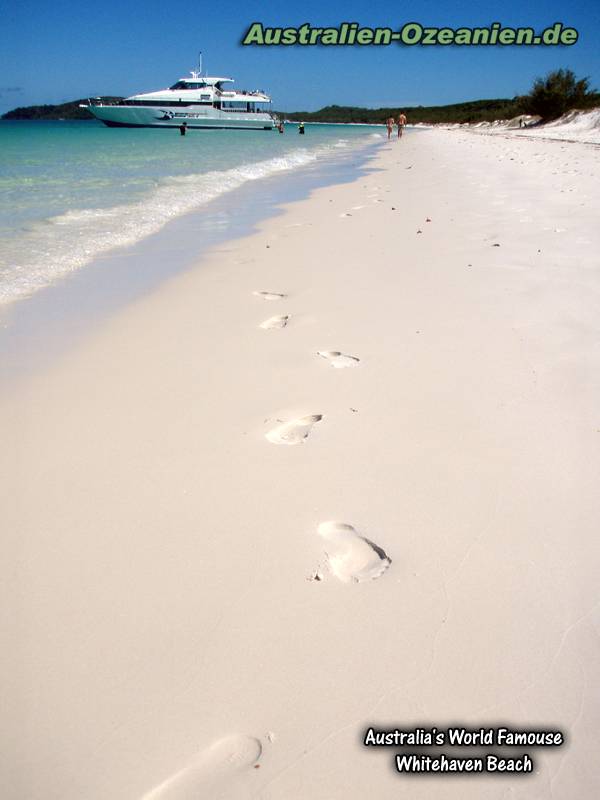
{"points": [[189, 85]]}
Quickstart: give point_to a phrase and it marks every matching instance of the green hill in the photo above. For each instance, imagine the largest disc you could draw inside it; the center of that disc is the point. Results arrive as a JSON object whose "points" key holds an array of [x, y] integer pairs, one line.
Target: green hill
{"points": [[473, 111], [64, 111]]}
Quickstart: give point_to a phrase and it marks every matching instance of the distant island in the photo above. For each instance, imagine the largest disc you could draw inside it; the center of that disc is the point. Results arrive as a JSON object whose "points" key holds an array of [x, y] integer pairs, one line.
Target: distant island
{"points": [[472, 111], [69, 110]]}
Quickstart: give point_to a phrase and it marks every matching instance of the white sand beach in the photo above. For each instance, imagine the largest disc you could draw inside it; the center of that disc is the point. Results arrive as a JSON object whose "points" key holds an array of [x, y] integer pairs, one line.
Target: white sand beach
{"points": [[575, 126], [342, 473]]}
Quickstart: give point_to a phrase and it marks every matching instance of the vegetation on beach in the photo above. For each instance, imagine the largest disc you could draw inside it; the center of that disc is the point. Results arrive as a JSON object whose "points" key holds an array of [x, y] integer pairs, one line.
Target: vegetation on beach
{"points": [[557, 93], [472, 111], [549, 97]]}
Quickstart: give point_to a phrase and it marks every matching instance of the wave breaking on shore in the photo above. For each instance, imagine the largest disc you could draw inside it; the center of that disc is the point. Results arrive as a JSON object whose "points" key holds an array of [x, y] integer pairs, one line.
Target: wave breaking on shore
{"points": [[51, 249]]}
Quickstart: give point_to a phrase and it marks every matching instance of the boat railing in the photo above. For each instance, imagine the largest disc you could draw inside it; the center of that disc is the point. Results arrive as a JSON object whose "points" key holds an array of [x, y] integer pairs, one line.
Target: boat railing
{"points": [[100, 101]]}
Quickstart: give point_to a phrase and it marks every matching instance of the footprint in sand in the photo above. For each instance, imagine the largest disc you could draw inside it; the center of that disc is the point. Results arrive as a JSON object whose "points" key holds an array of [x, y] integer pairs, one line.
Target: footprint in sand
{"points": [[295, 431], [338, 360], [351, 557], [269, 295], [212, 771], [275, 322]]}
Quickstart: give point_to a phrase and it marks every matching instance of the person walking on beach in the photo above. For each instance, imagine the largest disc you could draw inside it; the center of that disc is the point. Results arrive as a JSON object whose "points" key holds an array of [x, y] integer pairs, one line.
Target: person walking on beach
{"points": [[401, 123], [390, 126]]}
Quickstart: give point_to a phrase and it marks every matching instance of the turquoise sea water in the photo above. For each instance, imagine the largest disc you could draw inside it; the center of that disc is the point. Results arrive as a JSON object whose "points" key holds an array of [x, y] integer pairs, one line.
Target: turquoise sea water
{"points": [[70, 191]]}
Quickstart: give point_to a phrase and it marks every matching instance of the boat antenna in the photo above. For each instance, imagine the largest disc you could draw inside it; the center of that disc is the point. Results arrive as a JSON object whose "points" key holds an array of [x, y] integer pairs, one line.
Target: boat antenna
{"points": [[200, 63]]}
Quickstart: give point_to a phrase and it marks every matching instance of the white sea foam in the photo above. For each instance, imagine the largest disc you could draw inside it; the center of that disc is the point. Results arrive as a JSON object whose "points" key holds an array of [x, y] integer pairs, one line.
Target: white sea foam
{"points": [[48, 251]]}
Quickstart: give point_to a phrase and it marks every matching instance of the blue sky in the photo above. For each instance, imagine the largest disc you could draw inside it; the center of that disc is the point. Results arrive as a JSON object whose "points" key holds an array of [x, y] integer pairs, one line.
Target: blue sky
{"points": [[51, 52]]}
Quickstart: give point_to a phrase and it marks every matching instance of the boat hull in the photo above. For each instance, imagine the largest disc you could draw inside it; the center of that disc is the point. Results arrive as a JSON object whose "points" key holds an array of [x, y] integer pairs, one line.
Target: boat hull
{"points": [[195, 117]]}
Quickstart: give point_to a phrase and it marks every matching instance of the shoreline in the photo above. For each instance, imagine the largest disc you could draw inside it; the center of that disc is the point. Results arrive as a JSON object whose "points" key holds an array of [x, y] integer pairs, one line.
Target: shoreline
{"points": [[102, 207], [195, 609], [63, 311]]}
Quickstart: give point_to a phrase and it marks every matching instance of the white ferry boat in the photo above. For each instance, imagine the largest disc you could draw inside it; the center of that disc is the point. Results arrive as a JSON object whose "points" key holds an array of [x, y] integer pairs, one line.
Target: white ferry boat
{"points": [[199, 101]]}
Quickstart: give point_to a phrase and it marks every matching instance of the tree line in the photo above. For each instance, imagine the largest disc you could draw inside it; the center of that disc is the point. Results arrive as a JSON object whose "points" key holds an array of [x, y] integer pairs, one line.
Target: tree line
{"points": [[549, 98]]}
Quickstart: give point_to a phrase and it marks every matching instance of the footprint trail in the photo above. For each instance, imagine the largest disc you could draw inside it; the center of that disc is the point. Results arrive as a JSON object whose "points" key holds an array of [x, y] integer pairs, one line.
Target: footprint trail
{"points": [[270, 295], [339, 360], [212, 771], [350, 556], [275, 322], [295, 431]]}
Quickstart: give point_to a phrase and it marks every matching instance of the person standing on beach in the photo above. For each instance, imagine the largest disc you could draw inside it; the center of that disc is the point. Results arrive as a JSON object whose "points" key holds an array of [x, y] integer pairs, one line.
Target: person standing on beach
{"points": [[183, 128], [390, 126], [401, 123]]}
